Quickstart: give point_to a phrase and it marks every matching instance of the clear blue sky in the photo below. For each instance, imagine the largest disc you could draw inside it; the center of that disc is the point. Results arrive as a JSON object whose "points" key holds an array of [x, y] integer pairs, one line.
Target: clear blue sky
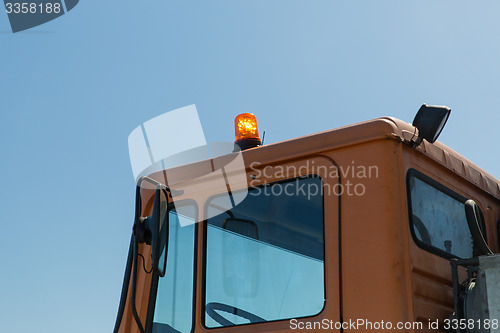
{"points": [[73, 89]]}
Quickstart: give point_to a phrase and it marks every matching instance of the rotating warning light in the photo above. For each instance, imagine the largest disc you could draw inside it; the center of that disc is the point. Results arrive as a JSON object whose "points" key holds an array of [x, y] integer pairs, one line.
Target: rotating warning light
{"points": [[246, 132]]}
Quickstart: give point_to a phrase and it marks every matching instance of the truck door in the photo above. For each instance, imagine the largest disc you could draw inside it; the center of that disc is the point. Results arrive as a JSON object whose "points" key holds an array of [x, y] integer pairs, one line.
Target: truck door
{"points": [[272, 263]]}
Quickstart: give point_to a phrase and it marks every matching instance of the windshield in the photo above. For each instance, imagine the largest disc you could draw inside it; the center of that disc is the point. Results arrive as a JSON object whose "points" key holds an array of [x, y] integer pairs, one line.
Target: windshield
{"points": [[174, 301]]}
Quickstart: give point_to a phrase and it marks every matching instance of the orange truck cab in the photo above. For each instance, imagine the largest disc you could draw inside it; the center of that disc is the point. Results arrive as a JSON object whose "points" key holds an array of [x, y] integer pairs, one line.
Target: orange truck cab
{"points": [[348, 230]]}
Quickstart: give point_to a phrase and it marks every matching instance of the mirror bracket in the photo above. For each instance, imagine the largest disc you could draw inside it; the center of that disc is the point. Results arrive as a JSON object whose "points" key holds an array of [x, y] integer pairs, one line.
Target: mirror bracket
{"points": [[142, 230]]}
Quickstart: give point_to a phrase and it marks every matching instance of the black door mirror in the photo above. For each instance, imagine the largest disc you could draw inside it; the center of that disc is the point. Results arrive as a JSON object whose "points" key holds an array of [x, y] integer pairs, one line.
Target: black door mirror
{"points": [[475, 220], [159, 231], [153, 230]]}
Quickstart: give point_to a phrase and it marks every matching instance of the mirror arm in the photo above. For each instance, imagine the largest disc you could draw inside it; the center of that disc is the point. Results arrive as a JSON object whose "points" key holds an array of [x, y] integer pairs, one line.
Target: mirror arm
{"points": [[171, 192], [152, 181]]}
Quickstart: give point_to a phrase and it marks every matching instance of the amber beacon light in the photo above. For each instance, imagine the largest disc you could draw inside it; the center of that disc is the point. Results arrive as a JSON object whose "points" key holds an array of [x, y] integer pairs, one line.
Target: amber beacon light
{"points": [[246, 132]]}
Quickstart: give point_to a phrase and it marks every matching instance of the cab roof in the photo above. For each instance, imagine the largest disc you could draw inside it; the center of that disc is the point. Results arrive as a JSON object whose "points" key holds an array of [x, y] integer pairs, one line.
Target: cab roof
{"points": [[341, 137], [389, 128]]}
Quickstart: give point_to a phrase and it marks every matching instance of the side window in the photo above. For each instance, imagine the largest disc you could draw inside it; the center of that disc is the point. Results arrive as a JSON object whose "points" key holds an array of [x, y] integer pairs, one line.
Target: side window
{"points": [[265, 257], [437, 218], [174, 300]]}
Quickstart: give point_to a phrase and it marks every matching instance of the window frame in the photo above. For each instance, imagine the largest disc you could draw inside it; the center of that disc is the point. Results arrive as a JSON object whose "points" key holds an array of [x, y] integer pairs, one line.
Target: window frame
{"points": [[445, 190], [204, 257]]}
